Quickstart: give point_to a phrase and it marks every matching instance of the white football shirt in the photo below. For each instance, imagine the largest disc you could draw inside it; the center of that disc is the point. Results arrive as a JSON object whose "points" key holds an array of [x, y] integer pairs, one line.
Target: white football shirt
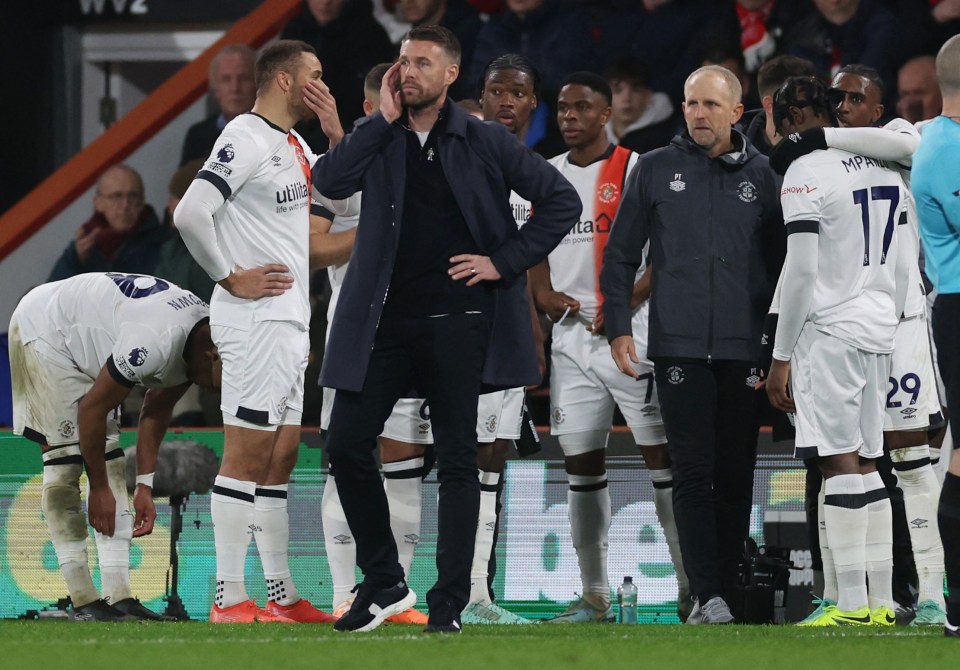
{"points": [[263, 172], [858, 203], [135, 324], [576, 262]]}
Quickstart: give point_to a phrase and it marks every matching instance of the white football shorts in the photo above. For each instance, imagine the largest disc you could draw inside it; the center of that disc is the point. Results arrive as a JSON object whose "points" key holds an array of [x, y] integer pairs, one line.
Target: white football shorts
{"points": [[840, 392]]}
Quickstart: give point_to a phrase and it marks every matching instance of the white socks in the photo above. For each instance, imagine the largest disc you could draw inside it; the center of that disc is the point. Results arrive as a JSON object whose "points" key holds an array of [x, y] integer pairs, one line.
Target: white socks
{"points": [[113, 553], [486, 526], [402, 482], [921, 496], [232, 511], [338, 543], [879, 544], [663, 503], [826, 555], [589, 503], [845, 514], [60, 502], [272, 533]]}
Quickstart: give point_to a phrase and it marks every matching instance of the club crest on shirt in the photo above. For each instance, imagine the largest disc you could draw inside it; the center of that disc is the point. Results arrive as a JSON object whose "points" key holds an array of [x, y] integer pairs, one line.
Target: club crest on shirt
{"points": [[747, 191], [298, 150], [608, 192], [67, 429], [226, 153], [137, 357], [675, 374], [490, 423], [558, 415]]}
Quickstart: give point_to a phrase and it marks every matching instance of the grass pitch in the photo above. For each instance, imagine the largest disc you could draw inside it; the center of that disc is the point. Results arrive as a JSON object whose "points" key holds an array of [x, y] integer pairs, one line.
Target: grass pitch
{"points": [[173, 646]]}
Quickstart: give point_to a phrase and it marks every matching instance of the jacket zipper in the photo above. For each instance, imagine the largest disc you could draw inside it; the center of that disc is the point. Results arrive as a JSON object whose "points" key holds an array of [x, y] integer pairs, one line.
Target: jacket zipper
{"points": [[711, 254]]}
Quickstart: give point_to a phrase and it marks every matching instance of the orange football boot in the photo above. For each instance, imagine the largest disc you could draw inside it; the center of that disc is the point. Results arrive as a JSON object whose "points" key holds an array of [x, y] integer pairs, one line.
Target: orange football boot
{"points": [[410, 616], [299, 612]]}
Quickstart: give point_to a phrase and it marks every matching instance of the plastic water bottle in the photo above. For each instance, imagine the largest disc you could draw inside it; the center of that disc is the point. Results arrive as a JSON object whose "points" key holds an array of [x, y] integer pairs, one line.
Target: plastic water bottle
{"points": [[627, 601]]}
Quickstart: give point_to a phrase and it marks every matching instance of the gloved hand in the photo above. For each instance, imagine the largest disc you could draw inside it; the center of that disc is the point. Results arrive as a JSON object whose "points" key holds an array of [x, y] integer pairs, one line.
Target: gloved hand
{"points": [[794, 146]]}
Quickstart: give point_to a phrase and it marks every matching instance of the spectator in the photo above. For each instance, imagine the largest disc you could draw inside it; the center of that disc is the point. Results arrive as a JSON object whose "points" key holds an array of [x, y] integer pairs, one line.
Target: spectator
{"points": [[641, 119], [461, 18], [847, 31], [349, 41], [123, 235], [231, 84], [551, 35], [919, 93], [667, 35], [175, 262], [726, 53]]}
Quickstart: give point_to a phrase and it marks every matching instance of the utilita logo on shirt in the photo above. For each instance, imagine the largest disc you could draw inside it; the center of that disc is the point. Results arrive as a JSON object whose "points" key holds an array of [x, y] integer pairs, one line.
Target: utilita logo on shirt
{"points": [[292, 193]]}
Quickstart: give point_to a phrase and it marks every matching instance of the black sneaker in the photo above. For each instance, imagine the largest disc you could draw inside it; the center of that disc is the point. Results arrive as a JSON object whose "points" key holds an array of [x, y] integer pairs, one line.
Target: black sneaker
{"points": [[100, 610], [372, 606], [444, 618], [949, 630], [134, 608]]}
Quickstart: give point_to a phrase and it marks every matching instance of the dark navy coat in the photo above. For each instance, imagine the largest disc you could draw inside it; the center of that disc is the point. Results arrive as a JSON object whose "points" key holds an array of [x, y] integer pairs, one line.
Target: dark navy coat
{"points": [[483, 163]]}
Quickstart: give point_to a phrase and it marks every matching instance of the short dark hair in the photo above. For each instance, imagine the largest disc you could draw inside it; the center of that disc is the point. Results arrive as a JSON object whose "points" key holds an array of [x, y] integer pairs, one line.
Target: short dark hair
{"points": [[591, 80], [279, 56], [438, 35], [867, 72], [513, 62], [809, 92], [629, 69], [775, 71], [375, 76]]}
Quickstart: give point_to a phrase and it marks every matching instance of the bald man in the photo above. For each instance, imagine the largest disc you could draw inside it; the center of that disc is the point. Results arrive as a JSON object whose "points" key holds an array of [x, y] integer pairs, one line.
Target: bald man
{"points": [[123, 235]]}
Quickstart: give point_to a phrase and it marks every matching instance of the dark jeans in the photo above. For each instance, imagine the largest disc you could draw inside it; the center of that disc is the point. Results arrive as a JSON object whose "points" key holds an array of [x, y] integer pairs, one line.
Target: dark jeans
{"points": [[442, 358], [709, 412]]}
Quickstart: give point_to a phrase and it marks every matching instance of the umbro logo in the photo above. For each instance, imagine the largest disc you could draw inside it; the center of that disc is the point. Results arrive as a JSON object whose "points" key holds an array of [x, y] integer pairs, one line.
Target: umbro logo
{"points": [[918, 523], [411, 538], [491, 526], [342, 539]]}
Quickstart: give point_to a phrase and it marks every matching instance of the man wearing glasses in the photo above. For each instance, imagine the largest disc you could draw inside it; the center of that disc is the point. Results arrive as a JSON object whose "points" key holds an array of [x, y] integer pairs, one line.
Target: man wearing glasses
{"points": [[123, 235]]}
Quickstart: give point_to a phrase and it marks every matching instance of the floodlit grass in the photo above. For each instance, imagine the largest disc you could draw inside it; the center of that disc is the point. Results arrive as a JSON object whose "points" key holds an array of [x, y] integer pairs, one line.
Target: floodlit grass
{"points": [[174, 646]]}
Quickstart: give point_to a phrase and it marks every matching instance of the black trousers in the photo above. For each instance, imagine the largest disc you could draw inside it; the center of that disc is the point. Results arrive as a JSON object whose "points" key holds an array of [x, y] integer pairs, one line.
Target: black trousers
{"points": [[946, 326], [710, 415], [442, 358]]}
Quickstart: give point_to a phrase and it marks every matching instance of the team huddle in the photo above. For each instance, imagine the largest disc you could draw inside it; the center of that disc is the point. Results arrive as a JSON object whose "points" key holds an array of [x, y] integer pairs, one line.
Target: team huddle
{"points": [[443, 237]]}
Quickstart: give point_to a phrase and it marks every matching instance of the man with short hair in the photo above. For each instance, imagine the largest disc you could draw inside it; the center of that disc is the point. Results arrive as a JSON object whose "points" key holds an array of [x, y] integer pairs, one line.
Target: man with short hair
{"points": [[707, 204], [641, 119], [842, 290], [918, 90], [437, 230], [77, 348], [231, 85], [246, 219], [123, 235], [912, 404], [935, 166], [761, 130], [585, 385]]}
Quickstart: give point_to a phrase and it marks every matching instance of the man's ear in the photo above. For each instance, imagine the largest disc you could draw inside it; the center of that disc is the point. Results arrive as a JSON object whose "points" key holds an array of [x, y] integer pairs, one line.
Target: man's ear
{"points": [[877, 113], [767, 103], [453, 71]]}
